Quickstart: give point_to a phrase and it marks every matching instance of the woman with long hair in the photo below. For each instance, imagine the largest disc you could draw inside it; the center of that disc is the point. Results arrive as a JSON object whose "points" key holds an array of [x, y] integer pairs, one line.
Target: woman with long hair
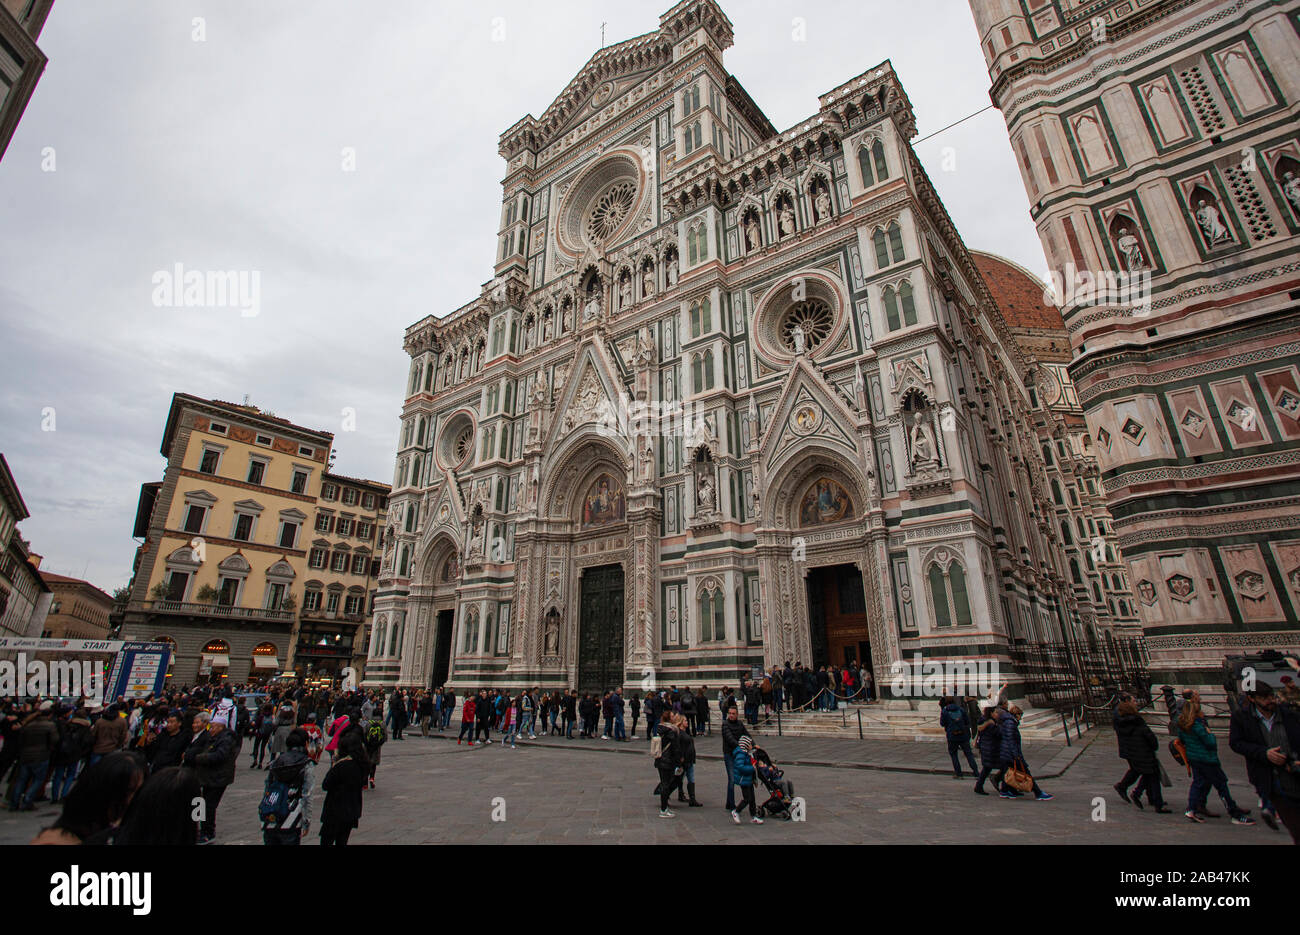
{"points": [[1203, 757], [160, 813], [98, 802]]}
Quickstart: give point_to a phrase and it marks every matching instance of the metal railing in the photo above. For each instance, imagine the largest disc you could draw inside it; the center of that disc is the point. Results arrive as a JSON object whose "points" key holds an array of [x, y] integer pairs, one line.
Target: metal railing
{"points": [[216, 610]]}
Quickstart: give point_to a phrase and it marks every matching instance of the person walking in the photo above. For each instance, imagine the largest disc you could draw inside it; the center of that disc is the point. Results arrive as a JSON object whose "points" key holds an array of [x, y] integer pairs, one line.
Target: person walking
{"points": [[374, 737], [286, 795], [956, 725], [1011, 754], [483, 716], [702, 710], [570, 712], [108, 734], [1138, 746], [989, 738], [733, 729], [1267, 734], [448, 707], [636, 711], [426, 713], [616, 705], [336, 729], [667, 762], [1203, 757], [341, 812], [72, 749], [742, 767], [263, 729]]}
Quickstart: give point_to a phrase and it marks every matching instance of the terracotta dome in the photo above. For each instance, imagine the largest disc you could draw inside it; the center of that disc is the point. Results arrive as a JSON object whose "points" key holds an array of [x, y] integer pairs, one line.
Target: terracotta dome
{"points": [[1018, 293]]}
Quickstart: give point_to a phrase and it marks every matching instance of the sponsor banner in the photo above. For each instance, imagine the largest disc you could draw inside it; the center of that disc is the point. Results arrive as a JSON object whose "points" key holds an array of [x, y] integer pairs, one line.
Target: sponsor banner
{"points": [[139, 670], [35, 643]]}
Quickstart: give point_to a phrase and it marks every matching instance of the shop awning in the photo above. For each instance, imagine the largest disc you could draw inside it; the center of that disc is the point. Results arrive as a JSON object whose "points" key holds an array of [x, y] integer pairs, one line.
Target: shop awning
{"points": [[266, 662], [216, 660]]}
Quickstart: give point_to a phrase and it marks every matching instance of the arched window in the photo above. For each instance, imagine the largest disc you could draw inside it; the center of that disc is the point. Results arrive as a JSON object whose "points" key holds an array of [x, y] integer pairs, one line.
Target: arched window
{"points": [[1056, 492], [891, 308], [419, 433], [878, 157], [713, 625], [905, 300], [696, 330], [1066, 536], [406, 435], [416, 464], [404, 562], [428, 375], [864, 164], [1075, 573], [896, 241], [410, 518], [706, 371], [939, 597], [882, 249], [960, 601]]}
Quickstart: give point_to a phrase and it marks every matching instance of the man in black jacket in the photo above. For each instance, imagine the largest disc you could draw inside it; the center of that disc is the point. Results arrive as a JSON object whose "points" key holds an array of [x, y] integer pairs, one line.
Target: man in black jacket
{"points": [[212, 752], [1267, 734], [733, 728], [168, 747]]}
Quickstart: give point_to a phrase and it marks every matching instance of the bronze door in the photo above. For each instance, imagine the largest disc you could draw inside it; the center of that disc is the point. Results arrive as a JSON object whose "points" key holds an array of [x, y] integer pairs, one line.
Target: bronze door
{"points": [[600, 634]]}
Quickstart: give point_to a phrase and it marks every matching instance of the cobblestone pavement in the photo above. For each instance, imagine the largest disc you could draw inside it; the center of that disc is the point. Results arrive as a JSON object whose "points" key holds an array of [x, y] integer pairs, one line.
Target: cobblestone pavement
{"points": [[594, 791]]}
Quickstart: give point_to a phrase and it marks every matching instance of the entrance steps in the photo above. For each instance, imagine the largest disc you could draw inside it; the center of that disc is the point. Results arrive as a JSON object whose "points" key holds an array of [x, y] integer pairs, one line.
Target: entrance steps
{"points": [[898, 720]]}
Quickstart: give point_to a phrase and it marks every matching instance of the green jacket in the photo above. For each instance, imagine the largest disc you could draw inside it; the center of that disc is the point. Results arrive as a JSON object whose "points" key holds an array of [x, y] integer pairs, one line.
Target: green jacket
{"points": [[1200, 743]]}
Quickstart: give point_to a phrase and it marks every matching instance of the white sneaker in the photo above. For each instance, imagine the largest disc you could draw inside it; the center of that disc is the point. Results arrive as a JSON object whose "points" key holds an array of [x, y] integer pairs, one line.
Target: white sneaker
{"points": [[532, 736], [664, 813], [735, 816], [604, 737], [755, 820]]}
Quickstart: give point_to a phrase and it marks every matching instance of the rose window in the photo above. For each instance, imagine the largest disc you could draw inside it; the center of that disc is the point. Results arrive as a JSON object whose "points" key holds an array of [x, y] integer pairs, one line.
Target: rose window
{"points": [[813, 317], [610, 211], [461, 446]]}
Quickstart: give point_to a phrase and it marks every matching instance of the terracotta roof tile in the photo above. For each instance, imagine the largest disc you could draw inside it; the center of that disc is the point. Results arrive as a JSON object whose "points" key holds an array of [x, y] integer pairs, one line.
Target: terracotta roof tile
{"points": [[1018, 294]]}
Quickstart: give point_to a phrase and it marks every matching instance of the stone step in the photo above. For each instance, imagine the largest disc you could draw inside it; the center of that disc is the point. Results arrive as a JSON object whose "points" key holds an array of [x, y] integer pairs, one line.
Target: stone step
{"points": [[879, 722]]}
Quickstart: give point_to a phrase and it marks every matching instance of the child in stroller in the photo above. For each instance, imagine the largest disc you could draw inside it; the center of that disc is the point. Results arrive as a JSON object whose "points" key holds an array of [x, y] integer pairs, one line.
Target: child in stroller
{"points": [[780, 790]]}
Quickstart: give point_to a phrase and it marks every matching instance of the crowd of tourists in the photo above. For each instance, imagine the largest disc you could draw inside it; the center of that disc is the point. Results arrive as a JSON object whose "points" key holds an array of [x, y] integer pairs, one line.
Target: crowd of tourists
{"points": [[1264, 729]]}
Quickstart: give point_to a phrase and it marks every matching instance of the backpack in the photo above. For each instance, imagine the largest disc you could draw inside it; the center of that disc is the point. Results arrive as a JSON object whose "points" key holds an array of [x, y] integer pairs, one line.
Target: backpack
{"points": [[656, 747], [374, 734], [1178, 750], [275, 806]]}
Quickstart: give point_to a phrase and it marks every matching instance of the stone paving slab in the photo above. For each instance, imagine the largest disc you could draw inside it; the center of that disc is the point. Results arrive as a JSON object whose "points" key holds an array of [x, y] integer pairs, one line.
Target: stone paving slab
{"points": [[433, 791]]}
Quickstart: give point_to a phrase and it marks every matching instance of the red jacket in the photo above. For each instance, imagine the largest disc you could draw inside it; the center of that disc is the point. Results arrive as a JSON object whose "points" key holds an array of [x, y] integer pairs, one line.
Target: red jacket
{"points": [[467, 710]]}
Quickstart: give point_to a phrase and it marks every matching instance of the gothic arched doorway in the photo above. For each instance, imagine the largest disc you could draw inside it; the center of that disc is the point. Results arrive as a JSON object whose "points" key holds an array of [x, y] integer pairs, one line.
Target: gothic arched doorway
{"points": [[600, 629]]}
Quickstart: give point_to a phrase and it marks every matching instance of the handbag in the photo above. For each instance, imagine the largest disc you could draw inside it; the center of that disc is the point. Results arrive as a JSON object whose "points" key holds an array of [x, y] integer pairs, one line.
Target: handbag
{"points": [[1018, 778]]}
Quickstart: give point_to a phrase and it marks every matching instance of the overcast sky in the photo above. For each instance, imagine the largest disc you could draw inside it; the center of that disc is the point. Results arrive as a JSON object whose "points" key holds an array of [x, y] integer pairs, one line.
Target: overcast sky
{"points": [[227, 153]]}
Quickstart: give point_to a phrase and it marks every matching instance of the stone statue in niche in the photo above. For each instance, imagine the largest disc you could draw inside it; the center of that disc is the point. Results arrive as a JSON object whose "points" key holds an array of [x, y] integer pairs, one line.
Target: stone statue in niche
{"points": [[922, 438], [671, 271], [551, 639], [546, 328], [1211, 223], [706, 496], [1291, 188], [648, 281], [785, 219], [822, 204], [798, 339], [625, 292], [1130, 248], [753, 236], [647, 460], [591, 311]]}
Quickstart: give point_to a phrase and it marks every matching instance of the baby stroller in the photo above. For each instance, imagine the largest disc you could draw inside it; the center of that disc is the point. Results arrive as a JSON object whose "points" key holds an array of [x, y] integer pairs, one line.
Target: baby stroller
{"points": [[780, 790]]}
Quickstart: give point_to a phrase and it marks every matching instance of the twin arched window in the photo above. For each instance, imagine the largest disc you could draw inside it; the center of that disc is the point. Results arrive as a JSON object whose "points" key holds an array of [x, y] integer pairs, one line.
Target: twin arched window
{"points": [[702, 370], [948, 594], [694, 138], [888, 241], [701, 318], [713, 625], [872, 163], [900, 308], [697, 244]]}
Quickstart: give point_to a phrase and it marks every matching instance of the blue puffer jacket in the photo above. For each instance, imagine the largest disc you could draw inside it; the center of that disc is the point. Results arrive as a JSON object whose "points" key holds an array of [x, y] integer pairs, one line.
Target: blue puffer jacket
{"points": [[742, 768], [990, 740], [1010, 749]]}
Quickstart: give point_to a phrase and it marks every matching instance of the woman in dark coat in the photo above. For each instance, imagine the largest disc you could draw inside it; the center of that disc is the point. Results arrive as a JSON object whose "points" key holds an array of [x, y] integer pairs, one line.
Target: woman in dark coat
{"points": [[1138, 745], [343, 784]]}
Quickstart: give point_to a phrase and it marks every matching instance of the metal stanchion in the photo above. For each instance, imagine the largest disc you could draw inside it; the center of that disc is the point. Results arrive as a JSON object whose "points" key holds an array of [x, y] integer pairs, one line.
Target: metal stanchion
{"points": [[1066, 725], [859, 723], [778, 721]]}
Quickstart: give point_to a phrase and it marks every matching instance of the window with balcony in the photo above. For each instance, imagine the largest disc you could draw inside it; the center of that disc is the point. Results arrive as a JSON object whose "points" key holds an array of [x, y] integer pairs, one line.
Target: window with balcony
{"points": [[311, 600]]}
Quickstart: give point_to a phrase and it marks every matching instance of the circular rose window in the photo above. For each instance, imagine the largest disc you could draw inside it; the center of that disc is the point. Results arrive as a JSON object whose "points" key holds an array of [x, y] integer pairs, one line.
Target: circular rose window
{"points": [[456, 443], [610, 211], [599, 204], [812, 318]]}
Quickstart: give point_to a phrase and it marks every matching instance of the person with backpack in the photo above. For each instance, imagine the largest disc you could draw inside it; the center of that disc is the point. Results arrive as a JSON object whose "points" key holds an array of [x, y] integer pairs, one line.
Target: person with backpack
{"points": [[375, 737], [285, 809], [1203, 756], [336, 728], [956, 725], [733, 729], [73, 747], [689, 710], [1138, 746], [341, 812], [742, 768]]}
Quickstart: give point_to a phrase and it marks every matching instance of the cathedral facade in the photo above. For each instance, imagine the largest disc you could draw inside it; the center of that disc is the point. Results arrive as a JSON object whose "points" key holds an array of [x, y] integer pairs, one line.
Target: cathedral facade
{"points": [[1159, 143], [732, 397]]}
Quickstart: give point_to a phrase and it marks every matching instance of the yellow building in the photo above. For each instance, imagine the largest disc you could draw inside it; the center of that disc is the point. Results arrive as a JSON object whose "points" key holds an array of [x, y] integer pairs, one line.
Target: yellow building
{"points": [[220, 571], [342, 573]]}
